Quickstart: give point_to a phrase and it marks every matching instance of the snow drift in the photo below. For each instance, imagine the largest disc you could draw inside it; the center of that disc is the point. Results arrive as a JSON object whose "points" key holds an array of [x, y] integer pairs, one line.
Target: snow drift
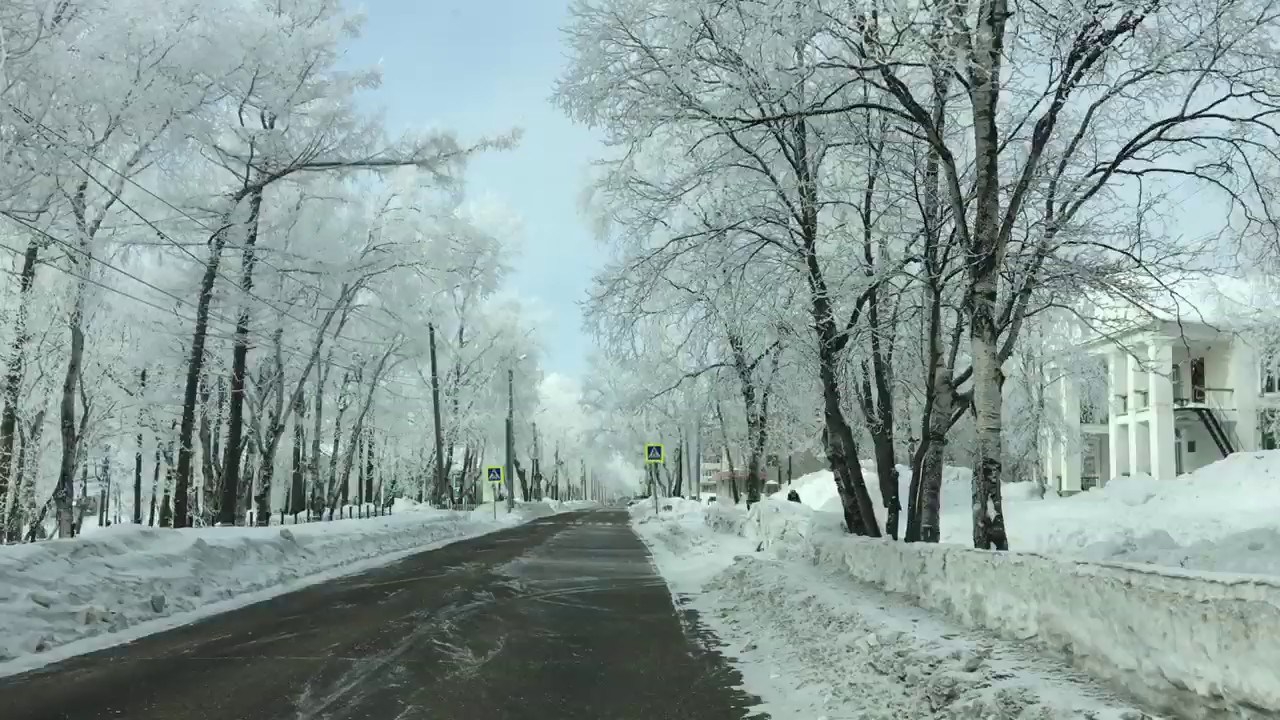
{"points": [[1196, 645], [61, 591], [1224, 517], [816, 644]]}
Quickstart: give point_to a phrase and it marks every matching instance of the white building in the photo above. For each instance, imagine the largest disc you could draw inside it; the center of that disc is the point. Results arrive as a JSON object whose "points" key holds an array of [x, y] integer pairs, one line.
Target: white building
{"points": [[714, 478], [1180, 394]]}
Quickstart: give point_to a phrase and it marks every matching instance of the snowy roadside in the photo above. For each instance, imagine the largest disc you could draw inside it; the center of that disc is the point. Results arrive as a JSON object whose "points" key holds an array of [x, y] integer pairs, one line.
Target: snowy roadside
{"points": [[816, 645], [1224, 517], [62, 598]]}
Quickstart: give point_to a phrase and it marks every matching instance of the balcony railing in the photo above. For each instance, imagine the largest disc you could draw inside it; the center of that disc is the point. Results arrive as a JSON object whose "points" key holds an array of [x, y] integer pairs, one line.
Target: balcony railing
{"points": [[1214, 398], [1093, 416], [1141, 400]]}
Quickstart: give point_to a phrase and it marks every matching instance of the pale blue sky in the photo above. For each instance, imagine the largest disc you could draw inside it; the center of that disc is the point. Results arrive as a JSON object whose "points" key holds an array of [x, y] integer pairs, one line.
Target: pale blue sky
{"points": [[482, 67]]}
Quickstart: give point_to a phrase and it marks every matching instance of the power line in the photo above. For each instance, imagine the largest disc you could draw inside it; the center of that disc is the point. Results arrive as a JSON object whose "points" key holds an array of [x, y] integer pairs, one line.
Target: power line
{"points": [[150, 224], [260, 335]]}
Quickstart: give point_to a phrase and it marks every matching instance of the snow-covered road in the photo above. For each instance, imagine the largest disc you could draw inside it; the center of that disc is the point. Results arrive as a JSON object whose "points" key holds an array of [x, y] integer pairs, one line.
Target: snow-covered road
{"points": [[814, 645], [561, 618], [66, 597]]}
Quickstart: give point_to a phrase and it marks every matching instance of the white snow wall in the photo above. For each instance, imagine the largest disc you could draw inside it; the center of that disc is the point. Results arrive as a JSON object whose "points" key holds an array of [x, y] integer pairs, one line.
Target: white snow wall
{"points": [[1194, 645]]}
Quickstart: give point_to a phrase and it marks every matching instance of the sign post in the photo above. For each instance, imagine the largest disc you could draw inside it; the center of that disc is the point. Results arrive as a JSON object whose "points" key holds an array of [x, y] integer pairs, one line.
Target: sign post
{"points": [[652, 459], [494, 474]]}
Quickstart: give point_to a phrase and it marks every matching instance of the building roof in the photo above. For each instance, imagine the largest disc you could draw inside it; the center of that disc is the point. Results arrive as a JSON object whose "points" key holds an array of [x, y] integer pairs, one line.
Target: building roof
{"points": [[1212, 301]]}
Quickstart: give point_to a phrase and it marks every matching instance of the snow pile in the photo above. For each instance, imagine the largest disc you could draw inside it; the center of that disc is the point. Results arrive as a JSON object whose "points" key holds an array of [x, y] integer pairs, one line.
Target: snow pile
{"points": [[1224, 517], [818, 489], [61, 591], [643, 511], [1187, 643], [814, 645]]}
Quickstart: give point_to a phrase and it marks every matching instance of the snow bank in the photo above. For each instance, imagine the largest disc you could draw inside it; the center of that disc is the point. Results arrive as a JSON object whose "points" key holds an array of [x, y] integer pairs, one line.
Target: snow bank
{"points": [[1196, 645], [1224, 517], [61, 591], [813, 644], [817, 490]]}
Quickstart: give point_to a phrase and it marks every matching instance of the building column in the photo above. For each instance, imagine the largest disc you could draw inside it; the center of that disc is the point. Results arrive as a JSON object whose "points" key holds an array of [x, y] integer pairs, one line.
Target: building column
{"points": [[1117, 422], [1052, 462], [1160, 384], [1245, 374], [1073, 448], [1138, 455]]}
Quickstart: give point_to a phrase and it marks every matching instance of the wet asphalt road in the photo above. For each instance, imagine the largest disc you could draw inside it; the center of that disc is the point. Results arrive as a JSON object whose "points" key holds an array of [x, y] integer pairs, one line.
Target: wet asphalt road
{"points": [[559, 619]]}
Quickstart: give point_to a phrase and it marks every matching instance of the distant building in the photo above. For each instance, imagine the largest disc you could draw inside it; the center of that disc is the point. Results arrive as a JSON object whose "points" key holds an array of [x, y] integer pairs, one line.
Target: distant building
{"points": [[1182, 391], [714, 477]]}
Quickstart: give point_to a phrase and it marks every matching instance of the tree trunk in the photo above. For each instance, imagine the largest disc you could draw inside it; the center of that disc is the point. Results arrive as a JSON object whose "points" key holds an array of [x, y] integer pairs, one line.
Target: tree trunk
{"points": [[878, 407], [931, 462], [195, 362], [239, 366], [137, 455], [166, 499], [24, 492], [13, 516], [842, 450], [82, 506], [524, 480], [859, 516], [14, 373], [64, 494], [319, 496], [555, 474], [104, 507], [369, 468], [679, 487], [358, 426], [276, 424], [360, 467], [728, 454], [332, 495], [155, 490], [210, 488], [297, 488], [988, 511]]}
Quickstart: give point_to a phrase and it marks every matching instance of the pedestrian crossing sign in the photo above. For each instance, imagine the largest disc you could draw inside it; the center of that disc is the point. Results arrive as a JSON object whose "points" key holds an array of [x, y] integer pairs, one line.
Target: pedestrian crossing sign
{"points": [[495, 473], [653, 453]]}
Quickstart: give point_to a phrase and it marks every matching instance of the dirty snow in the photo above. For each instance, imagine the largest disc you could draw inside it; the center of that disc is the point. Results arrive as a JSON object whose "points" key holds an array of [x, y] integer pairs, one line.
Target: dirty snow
{"points": [[815, 644], [60, 598]]}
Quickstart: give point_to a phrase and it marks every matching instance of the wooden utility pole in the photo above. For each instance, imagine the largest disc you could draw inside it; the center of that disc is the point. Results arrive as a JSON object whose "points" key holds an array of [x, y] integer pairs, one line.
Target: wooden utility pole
{"points": [[509, 471], [438, 490], [137, 456], [536, 469], [555, 475]]}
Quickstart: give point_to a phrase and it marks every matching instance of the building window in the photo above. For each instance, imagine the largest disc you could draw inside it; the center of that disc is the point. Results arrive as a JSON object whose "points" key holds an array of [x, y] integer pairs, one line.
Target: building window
{"points": [[1191, 446], [1270, 378], [1267, 429]]}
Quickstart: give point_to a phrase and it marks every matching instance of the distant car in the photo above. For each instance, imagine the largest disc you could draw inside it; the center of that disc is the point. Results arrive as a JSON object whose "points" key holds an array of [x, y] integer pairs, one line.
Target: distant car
{"points": [[711, 499]]}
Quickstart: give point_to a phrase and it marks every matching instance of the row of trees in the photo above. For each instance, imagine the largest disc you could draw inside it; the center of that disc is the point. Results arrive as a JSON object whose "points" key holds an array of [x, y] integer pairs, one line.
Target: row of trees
{"points": [[227, 287], [892, 209]]}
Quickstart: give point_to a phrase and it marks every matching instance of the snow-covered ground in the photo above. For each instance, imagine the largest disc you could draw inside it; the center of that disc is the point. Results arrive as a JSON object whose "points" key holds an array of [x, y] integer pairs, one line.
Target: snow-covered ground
{"points": [[817, 645], [1225, 517], [60, 598]]}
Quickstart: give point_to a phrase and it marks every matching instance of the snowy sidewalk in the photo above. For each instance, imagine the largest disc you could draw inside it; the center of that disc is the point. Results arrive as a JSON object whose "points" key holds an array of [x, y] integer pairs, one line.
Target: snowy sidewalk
{"points": [[814, 645], [60, 598]]}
